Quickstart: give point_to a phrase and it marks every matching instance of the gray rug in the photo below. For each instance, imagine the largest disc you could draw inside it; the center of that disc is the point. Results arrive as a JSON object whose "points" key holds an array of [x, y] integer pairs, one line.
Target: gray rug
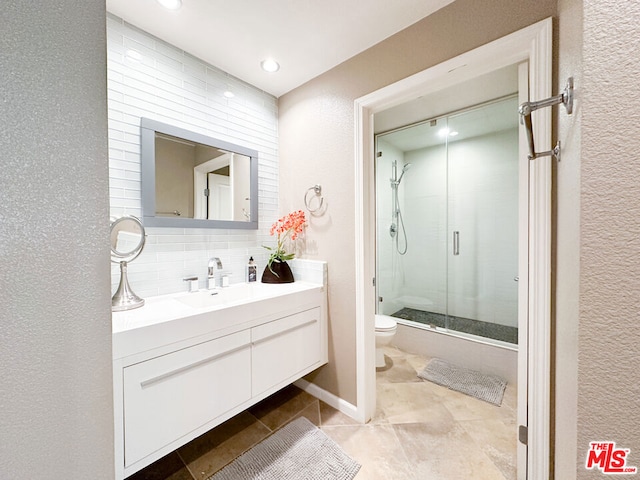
{"points": [[479, 385], [298, 451]]}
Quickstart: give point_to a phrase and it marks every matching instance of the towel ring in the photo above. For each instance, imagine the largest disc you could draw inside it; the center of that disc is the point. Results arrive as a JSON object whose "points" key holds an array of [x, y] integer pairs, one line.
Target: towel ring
{"points": [[317, 189]]}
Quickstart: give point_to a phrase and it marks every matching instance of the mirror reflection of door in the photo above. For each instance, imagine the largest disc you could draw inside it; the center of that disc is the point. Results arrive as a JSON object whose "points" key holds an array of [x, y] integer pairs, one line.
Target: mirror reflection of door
{"points": [[221, 190], [220, 206], [209, 188]]}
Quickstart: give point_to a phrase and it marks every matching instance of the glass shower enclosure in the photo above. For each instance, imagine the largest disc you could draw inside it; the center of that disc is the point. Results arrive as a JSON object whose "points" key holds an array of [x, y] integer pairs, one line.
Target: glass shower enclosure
{"points": [[447, 222]]}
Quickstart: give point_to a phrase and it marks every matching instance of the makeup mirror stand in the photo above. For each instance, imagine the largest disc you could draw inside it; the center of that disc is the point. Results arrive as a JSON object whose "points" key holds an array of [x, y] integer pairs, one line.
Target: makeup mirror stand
{"points": [[125, 298], [127, 242]]}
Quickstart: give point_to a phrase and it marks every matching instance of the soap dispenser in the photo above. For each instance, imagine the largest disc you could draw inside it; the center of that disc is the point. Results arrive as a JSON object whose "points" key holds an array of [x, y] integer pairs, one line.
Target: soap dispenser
{"points": [[252, 271]]}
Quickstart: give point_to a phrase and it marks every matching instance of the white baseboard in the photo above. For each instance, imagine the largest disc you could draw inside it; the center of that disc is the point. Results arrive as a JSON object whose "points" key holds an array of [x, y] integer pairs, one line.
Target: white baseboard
{"points": [[329, 398]]}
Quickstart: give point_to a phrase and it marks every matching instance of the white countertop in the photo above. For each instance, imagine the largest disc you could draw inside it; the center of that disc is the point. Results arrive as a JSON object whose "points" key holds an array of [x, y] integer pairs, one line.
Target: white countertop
{"points": [[170, 319]]}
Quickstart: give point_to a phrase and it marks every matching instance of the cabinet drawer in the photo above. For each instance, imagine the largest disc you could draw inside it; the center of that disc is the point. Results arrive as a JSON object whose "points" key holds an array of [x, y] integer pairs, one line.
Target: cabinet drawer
{"points": [[169, 396], [282, 348]]}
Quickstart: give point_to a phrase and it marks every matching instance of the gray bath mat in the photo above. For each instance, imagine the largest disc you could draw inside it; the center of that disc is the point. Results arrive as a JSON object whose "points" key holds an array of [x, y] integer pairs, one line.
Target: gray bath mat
{"points": [[298, 451], [484, 387]]}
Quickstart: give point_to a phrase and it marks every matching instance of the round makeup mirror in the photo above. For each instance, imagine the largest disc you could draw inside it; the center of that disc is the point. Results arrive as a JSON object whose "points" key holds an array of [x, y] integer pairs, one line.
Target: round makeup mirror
{"points": [[127, 242]]}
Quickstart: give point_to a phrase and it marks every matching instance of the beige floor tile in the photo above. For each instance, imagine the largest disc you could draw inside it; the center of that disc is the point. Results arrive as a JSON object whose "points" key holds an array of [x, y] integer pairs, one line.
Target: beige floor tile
{"points": [[311, 413], [329, 416], [397, 370], [213, 450], [510, 399], [417, 362], [393, 351], [409, 403], [464, 407], [282, 407], [448, 454], [376, 448], [498, 440]]}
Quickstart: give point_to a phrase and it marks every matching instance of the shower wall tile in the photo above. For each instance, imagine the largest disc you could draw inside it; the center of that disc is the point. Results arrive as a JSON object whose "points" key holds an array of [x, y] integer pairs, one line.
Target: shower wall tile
{"points": [[171, 86], [472, 188]]}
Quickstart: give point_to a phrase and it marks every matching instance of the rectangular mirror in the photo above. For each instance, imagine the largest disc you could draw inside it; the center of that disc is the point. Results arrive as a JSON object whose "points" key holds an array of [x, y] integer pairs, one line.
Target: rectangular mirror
{"points": [[192, 180]]}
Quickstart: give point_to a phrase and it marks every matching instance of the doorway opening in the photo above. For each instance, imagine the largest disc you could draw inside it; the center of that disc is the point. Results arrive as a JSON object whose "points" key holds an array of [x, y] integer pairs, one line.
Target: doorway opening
{"points": [[530, 47]]}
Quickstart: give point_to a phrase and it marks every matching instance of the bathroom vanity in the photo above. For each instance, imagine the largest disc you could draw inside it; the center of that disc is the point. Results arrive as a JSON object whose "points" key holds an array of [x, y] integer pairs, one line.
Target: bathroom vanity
{"points": [[185, 363]]}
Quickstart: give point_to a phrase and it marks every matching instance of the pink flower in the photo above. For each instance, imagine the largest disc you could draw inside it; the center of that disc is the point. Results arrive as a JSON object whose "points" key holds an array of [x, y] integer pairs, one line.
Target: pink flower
{"points": [[291, 225]]}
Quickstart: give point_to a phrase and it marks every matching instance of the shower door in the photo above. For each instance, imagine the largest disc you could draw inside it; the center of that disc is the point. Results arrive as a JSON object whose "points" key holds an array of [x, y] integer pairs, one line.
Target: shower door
{"points": [[482, 216], [458, 211]]}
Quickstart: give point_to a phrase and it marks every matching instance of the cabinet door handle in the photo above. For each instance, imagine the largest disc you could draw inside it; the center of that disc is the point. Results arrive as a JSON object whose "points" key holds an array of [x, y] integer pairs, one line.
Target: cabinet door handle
{"points": [[456, 242], [287, 330], [164, 376]]}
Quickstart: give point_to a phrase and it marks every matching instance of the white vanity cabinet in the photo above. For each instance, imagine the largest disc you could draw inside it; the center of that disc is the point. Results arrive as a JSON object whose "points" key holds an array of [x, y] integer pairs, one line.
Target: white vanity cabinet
{"points": [[282, 348], [190, 369], [167, 397]]}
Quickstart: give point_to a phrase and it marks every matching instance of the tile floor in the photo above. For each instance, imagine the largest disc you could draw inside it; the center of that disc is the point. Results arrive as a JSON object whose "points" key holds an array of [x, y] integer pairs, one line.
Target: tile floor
{"points": [[420, 431]]}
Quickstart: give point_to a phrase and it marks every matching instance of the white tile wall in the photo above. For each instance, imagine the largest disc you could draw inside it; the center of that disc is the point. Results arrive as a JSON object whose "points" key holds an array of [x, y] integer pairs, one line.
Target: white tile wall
{"points": [[314, 271], [171, 86]]}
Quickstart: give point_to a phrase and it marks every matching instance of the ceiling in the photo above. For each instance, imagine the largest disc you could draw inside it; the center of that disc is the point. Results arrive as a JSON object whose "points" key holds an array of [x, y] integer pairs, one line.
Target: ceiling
{"points": [[306, 37]]}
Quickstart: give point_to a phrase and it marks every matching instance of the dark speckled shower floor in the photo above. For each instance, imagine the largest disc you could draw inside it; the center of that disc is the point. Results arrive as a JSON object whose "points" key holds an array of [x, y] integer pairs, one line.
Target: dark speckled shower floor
{"points": [[475, 327]]}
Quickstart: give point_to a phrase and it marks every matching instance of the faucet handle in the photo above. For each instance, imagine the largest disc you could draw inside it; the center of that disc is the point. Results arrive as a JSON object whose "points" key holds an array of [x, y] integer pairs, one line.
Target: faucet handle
{"points": [[193, 283]]}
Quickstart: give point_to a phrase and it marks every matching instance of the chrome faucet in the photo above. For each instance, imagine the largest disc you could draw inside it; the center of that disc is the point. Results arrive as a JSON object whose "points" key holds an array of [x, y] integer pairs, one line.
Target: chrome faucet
{"points": [[214, 264]]}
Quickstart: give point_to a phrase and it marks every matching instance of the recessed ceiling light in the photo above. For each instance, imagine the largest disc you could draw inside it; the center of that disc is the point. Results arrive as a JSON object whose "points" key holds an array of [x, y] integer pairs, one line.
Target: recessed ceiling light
{"points": [[270, 65], [171, 4], [447, 132], [229, 94]]}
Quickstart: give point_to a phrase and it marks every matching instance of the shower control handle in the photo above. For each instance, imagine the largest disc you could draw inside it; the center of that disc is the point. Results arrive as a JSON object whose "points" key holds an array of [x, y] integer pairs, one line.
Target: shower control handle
{"points": [[456, 242]]}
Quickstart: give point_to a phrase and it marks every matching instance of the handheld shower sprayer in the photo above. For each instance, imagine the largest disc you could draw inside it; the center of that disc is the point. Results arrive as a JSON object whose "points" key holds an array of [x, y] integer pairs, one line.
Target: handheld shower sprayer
{"points": [[397, 223], [395, 180], [406, 167]]}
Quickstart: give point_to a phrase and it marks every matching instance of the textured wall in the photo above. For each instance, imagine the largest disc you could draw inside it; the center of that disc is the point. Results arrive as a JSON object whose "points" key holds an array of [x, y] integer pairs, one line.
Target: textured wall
{"points": [[171, 86], [317, 144], [566, 266], [55, 320], [608, 336]]}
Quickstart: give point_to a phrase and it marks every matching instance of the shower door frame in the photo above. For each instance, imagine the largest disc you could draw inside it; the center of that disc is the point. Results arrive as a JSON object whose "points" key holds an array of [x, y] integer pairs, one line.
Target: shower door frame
{"points": [[532, 44]]}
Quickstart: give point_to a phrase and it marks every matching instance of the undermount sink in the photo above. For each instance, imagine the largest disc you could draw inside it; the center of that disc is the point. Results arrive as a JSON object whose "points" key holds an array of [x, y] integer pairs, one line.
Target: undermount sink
{"points": [[242, 292], [202, 298], [209, 298]]}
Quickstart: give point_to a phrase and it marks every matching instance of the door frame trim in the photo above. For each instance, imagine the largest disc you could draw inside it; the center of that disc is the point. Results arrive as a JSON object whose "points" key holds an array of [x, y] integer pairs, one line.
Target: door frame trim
{"points": [[534, 45]]}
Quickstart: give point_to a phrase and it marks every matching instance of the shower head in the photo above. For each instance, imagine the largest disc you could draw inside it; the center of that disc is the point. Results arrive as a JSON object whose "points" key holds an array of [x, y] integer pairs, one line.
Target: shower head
{"points": [[406, 167]]}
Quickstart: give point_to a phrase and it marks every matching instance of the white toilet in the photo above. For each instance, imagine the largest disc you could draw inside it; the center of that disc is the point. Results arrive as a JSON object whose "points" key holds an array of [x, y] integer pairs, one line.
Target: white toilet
{"points": [[386, 327]]}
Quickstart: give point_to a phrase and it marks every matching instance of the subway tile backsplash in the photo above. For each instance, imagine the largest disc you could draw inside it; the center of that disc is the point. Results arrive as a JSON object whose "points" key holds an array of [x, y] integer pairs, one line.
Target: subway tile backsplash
{"points": [[171, 86]]}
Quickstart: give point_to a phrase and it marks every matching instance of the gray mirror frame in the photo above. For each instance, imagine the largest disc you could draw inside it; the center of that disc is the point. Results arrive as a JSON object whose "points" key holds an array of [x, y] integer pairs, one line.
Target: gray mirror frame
{"points": [[148, 129]]}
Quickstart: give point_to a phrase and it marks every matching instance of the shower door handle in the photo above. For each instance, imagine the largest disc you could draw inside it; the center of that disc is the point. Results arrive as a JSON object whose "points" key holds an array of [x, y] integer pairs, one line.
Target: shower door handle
{"points": [[456, 242]]}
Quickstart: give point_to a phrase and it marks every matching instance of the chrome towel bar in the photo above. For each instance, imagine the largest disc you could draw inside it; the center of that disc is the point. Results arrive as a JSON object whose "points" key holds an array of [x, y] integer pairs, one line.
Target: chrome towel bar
{"points": [[527, 108]]}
